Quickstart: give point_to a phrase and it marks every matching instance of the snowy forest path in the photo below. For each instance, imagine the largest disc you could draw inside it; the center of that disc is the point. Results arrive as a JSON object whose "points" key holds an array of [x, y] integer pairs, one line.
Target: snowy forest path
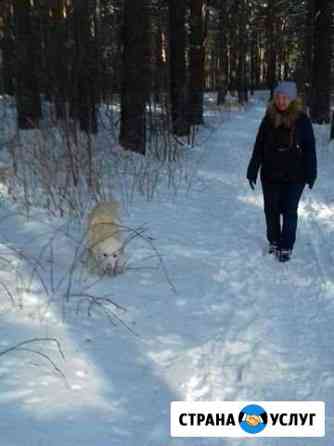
{"points": [[276, 320], [241, 326]]}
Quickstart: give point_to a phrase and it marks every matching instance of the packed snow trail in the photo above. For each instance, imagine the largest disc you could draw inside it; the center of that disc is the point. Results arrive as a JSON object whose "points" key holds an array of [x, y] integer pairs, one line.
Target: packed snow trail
{"points": [[266, 328], [257, 318], [241, 326]]}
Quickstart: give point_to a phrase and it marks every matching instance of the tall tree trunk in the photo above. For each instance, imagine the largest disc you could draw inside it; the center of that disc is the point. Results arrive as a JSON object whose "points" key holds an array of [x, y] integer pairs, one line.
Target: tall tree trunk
{"points": [[258, 61], [159, 75], [222, 57], [308, 52], [27, 90], [40, 29], [85, 97], [197, 56], [8, 52], [178, 80], [134, 82], [57, 58], [262, 63], [320, 107], [242, 50], [271, 46], [253, 62]]}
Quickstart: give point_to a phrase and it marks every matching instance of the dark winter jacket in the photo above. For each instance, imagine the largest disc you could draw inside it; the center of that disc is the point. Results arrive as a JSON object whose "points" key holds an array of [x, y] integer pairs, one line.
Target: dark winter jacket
{"points": [[284, 148]]}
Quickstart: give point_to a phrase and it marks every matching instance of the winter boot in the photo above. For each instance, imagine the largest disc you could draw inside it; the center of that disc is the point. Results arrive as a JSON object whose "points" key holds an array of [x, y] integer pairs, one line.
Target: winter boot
{"points": [[284, 255], [273, 248]]}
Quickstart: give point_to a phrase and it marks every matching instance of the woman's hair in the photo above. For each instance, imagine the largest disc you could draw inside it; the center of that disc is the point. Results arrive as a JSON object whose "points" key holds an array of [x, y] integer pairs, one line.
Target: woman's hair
{"points": [[286, 118]]}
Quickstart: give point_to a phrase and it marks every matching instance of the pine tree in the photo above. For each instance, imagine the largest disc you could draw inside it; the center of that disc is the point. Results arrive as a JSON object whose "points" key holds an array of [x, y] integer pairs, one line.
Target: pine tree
{"points": [[320, 105], [27, 89], [197, 57], [177, 64], [134, 81]]}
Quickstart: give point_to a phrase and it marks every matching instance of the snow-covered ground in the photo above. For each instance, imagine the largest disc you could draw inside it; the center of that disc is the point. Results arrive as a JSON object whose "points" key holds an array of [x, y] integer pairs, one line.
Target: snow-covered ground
{"points": [[238, 326]]}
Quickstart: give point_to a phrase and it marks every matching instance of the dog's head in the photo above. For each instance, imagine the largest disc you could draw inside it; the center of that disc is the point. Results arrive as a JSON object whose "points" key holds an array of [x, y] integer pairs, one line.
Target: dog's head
{"points": [[110, 257]]}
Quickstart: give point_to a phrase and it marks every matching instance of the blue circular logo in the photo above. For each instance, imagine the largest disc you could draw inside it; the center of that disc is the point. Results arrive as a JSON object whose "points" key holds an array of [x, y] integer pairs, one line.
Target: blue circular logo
{"points": [[253, 419]]}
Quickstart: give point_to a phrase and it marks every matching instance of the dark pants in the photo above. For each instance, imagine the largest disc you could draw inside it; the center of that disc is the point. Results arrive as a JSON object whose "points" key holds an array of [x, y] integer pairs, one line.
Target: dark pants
{"points": [[281, 199]]}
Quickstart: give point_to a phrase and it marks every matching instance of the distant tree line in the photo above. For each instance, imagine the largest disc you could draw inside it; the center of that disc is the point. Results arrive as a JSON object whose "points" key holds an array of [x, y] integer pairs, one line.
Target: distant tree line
{"points": [[78, 54]]}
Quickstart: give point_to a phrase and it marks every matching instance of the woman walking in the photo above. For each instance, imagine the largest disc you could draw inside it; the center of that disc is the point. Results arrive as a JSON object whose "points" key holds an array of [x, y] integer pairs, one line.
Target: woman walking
{"points": [[285, 151]]}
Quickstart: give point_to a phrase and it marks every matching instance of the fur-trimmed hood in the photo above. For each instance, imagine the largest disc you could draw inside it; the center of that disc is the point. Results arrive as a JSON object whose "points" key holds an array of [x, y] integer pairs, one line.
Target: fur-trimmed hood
{"points": [[286, 118]]}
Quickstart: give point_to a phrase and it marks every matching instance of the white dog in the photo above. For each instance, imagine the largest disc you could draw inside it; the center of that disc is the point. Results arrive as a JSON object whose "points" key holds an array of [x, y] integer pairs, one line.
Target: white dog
{"points": [[105, 246]]}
